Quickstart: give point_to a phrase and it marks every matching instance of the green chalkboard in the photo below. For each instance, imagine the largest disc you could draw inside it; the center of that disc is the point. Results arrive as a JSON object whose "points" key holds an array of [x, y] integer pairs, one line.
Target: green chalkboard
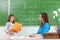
{"points": [[3, 11], [27, 11]]}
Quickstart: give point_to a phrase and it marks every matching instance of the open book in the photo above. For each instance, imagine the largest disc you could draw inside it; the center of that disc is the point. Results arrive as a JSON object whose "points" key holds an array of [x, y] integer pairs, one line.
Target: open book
{"points": [[16, 27]]}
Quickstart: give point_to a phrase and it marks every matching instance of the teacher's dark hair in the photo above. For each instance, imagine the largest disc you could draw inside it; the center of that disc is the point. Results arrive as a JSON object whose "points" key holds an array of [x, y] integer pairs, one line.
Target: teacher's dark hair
{"points": [[10, 17], [45, 17]]}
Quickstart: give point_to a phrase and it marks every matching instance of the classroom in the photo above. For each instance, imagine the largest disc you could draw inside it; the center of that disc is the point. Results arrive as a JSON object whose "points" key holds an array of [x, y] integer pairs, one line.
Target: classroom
{"points": [[37, 19]]}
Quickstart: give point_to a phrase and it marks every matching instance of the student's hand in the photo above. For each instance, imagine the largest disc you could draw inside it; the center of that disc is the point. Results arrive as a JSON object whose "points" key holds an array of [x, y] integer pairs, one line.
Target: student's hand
{"points": [[10, 31], [38, 35], [33, 35], [20, 30], [6, 31]]}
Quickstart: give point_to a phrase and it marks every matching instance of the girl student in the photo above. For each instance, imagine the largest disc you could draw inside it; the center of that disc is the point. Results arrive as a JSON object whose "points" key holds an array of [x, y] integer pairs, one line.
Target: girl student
{"points": [[44, 27], [9, 25]]}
